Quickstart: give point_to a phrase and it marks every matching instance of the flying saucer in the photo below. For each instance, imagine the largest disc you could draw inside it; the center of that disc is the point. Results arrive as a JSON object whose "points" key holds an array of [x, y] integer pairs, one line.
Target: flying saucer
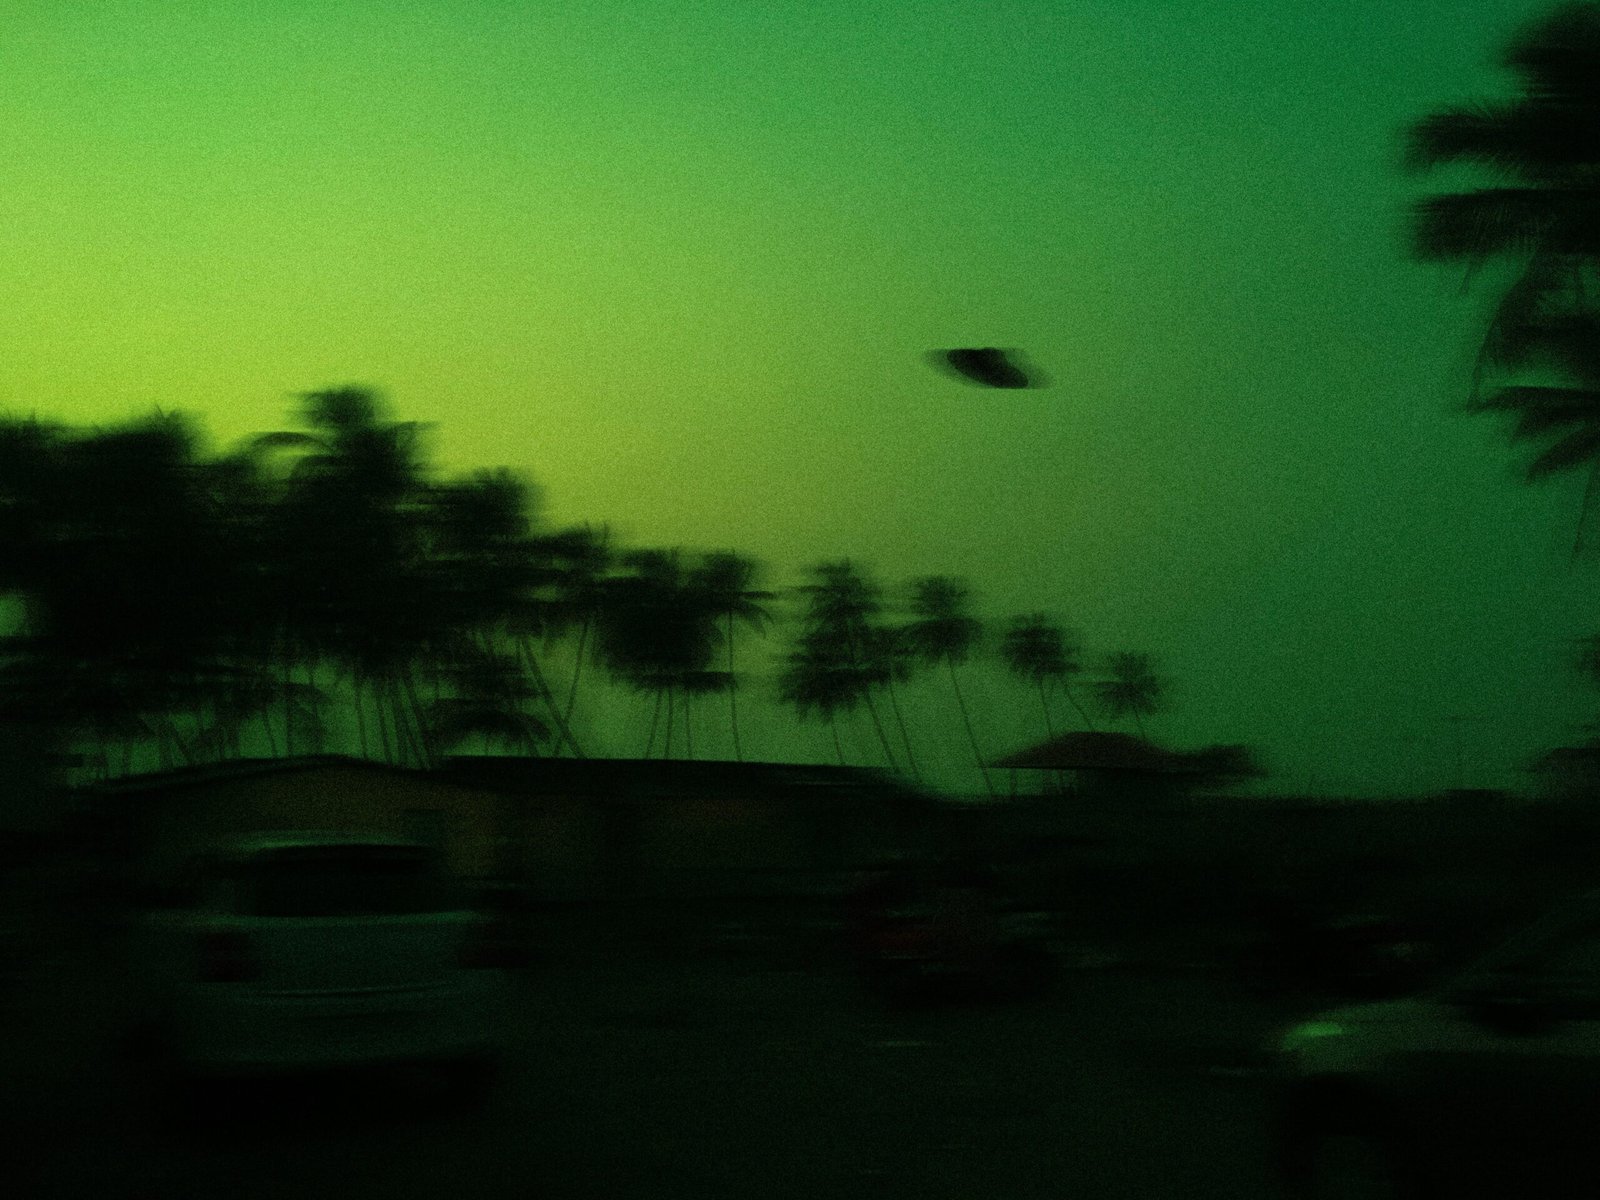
{"points": [[986, 366]]}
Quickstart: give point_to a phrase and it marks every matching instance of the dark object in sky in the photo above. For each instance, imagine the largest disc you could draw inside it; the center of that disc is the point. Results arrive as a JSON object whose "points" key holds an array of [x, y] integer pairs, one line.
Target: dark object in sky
{"points": [[986, 366]]}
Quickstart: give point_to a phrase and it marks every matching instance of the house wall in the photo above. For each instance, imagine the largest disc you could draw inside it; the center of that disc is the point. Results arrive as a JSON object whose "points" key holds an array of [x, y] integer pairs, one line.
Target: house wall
{"points": [[466, 824], [660, 834]]}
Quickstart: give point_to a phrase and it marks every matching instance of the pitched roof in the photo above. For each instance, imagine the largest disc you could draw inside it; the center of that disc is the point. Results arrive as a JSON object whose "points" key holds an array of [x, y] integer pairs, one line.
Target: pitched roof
{"points": [[1096, 752]]}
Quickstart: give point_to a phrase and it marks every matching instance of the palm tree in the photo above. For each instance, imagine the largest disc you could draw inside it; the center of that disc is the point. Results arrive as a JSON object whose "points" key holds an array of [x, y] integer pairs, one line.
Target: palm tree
{"points": [[146, 579], [494, 579], [894, 657], [353, 561], [655, 630], [840, 641], [489, 693], [942, 632], [1133, 689], [698, 683], [725, 581], [1543, 210], [580, 559], [1038, 650], [817, 681]]}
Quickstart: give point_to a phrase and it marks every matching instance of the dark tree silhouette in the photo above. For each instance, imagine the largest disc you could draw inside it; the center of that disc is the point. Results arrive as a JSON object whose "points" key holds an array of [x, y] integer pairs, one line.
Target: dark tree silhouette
{"points": [[818, 682], [1543, 149], [840, 642], [941, 631], [1133, 689], [726, 583], [895, 661], [1040, 651], [655, 630], [582, 559]]}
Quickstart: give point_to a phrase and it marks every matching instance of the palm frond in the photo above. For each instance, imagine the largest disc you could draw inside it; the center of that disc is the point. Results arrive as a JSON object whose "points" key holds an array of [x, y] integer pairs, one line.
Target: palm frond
{"points": [[1520, 140], [1577, 449]]}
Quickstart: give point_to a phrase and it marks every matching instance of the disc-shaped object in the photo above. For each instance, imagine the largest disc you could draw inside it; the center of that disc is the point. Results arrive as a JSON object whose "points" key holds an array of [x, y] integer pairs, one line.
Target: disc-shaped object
{"points": [[985, 366]]}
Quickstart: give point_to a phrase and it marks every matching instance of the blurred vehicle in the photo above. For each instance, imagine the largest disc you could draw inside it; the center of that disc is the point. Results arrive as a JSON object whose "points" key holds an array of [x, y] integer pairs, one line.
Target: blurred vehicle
{"points": [[921, 932], [277, 954], [1485, 1085], [1346, 955]]}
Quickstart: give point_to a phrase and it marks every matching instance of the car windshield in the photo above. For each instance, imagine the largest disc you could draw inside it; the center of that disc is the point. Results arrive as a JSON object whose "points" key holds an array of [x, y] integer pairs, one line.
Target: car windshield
{"points": [[328, 881]]}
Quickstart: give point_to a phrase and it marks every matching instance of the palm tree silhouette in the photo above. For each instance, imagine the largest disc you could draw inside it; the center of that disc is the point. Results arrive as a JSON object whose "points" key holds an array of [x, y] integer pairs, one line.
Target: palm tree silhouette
{"points": [[840, 642], [942, 632], [582, 558], [1133, 690], [817, 681], [489, 691], [350, 576], [655, 630], [493, 584], [1040, 651], [725, 581], [895, 661], [1545, 210]]}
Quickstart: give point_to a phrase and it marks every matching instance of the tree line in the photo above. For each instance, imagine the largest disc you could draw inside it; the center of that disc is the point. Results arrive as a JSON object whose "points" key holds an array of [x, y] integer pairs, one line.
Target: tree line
{"points": [[174, 601]]}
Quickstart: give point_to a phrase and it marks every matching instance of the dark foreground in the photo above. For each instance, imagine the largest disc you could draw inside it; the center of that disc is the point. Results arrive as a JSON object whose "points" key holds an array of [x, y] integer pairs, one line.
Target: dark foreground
{"points": [[717, 1077]]}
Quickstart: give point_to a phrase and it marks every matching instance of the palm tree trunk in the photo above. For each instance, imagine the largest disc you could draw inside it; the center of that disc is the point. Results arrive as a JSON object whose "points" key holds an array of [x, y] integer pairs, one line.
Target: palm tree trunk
{"points": [[1583, 510], [894, 703], [361, 717], [733, 703], [1138, 724], [971, 737], [577, 670], [541, 685], [1049, 729], [883, 739], [184, 746], [872, 709], [378, 714], [688, 724], [424, 738], [1088, 721], [666, 747], [316, 698], [838, 747], [288, 704], [655, 717], [405, 722], [266, 723]]}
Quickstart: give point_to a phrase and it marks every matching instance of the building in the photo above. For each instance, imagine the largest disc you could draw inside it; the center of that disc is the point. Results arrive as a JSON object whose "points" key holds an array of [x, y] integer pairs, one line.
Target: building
{"points": [[673, 829], [1115, 769], [568, 829], [146, 820]]}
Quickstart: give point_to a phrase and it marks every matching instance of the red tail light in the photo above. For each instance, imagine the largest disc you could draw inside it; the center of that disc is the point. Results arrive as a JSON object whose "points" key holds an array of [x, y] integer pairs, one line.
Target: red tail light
{"points": [[226, 957]]}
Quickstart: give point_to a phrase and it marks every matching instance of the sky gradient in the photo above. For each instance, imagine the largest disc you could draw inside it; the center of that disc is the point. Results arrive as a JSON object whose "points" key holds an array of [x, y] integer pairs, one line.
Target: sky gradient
{"points": [[680, 262]]}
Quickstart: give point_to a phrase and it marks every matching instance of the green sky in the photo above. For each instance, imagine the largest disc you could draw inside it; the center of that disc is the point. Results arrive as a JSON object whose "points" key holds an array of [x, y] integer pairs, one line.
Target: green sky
{"points": [[680, 261]]}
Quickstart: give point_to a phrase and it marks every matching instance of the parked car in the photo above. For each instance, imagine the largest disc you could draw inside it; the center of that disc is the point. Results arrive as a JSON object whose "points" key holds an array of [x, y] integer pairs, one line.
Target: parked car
{"points": [[281, 953], [921, 932], [1484, 1085]]}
